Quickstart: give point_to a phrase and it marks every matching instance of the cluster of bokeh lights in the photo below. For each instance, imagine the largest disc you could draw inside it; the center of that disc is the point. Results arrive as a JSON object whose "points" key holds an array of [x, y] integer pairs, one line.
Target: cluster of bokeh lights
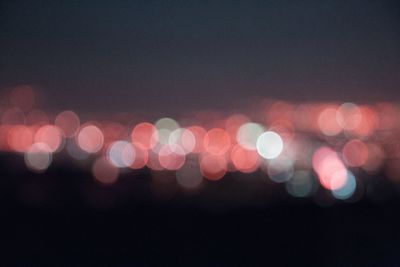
{"points": [[304, 145]]}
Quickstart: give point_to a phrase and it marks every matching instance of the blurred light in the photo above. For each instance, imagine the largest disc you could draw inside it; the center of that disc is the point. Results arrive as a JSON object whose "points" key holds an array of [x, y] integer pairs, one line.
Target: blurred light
{"points": [[144, 135], [280, 169], [74, 151], [20, 138], [269, 145], [68, 122], [121, 154], [244, 160], [217, 141], [171, 157], [50, 135], [198, 133], [213, 167], [183, 138], [13, 116], [90, 138], [248, 134], [376, 156], [140, 159], [104, 172], [328, 123], [167, 123], [349, 116], [347, 190], [37, 118], [355, 153], [189, 176], [331, 171], [38, 158], [301, 184]]}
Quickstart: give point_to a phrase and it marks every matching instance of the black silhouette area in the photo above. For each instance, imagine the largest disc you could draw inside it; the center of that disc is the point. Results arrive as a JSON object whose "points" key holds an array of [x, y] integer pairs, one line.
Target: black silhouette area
{"points": [[63, 217]]}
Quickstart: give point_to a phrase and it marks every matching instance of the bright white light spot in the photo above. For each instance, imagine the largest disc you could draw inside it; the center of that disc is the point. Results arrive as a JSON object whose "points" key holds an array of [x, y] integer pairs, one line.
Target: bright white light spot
{"points": [[269, 145]]}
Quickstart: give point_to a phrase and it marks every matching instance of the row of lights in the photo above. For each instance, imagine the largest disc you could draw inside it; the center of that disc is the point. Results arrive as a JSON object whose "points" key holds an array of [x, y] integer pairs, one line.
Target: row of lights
{"points": [[287, 151]]}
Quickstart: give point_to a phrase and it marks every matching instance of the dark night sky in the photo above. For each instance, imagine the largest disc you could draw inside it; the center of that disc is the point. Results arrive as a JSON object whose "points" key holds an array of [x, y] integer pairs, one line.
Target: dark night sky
{"points": [[177, 55]]}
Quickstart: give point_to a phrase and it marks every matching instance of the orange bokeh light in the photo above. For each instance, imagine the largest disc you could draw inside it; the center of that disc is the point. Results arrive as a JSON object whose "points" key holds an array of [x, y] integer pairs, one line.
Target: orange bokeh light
{"points": [[51, 136], [217, 141], [20, 138], [144, 135], [244, 160], [213, 167]]}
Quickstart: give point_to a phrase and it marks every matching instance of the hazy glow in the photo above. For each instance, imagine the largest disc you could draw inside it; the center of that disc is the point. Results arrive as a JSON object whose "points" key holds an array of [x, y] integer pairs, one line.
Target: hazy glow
{"points": [[144, 135], [301, 184], [90, 138], [328, 123], [244, 160], [217, 141], [198, 133], [269, 145], [50, 135], [104, 172], [140, 159], [121, 154], [37, 118], [213, 167], [184, 138], [248, 134], [68, 122], [331, 171], [171, 157], [38, 158], [349, 116], [167, 123], [347, 190], [280, 169], [189, 176], [20, 138], [355, 153]]}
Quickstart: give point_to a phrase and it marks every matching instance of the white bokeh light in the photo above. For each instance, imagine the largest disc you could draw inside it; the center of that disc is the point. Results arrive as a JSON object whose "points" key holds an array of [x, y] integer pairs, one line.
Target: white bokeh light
{"points": [[269, 145]]}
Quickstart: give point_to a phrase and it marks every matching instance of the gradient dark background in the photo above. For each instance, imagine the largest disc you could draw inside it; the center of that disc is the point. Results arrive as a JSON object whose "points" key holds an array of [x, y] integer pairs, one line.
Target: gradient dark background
{"points": [[173, 56]]}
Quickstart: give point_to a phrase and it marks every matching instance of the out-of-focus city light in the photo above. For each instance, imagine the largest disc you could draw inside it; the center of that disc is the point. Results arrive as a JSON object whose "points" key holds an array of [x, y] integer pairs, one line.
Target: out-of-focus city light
{"points": [[213, 167], [38, 158], [50, 135], [104, 172], [306, 143], [269, 145], [121, 154], [217, 141], [301, 184], [68, 122], [90, 138], [144, 135], [248, 134], [331, 171], [355, 153], [347, 190]]}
